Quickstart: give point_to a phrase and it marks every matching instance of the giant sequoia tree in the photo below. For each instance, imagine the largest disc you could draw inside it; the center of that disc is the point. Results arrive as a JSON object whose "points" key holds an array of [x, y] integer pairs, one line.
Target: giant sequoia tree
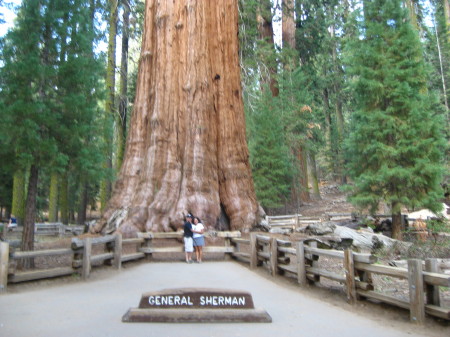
{"points": [[186, 149]]}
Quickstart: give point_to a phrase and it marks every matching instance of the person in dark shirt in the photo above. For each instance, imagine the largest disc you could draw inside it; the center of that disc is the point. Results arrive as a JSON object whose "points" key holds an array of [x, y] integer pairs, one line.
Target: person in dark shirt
{"points": [[188, 241], [12, 223]]}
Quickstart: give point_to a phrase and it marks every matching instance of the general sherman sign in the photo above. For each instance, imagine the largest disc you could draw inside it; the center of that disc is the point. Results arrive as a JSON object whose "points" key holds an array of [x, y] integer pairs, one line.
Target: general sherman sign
{"points": [[196, 305], [197, 298]]}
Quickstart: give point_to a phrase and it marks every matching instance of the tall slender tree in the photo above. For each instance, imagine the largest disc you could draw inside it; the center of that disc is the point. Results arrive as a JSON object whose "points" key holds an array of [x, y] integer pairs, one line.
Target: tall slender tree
{"points": [[48, 85], [298, 147], [123, 86], [110, 107], [267, 55], [396, 144]]}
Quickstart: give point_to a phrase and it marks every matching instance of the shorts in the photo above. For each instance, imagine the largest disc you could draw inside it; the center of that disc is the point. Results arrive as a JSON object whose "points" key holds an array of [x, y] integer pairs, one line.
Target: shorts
{"points": [[199, 241], [188, 244]]}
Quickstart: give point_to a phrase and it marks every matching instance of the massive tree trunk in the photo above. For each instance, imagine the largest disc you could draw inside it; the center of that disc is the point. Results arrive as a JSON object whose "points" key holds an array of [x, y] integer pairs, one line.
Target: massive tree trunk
{"points": [[186, 148]]}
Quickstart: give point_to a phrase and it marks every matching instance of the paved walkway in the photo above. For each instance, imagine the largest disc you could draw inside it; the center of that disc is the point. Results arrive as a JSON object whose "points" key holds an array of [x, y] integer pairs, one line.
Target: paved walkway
{"points": [[95, 308]]}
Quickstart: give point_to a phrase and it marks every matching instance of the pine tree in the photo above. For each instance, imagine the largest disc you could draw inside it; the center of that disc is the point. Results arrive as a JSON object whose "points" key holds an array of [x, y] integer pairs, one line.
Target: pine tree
{"points": [[396, 144], [50, 90], [270, 160]]}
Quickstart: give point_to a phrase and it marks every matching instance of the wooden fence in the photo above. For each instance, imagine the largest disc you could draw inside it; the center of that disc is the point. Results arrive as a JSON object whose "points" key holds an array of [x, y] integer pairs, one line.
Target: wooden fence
{"points": [[49, 229], [294, 259], [298, 220], [90, 252], [301, 260]]}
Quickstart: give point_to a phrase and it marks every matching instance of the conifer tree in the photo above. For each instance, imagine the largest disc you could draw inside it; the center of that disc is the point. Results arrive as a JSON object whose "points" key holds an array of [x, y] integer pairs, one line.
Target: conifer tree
{"points": [[50, 91], [270, 160], [396, 144]]}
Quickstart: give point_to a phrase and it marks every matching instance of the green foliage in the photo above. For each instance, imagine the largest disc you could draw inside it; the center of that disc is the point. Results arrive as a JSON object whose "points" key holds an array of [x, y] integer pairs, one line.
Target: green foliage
{"points": [[439, 225], [269, 154], [50, 90], [395, 148]]}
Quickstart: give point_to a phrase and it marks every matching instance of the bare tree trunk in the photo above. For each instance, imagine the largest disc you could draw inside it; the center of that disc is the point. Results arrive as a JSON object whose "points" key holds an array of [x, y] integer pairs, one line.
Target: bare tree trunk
{"points": [[411, 5], [288, 23], [30, 214], [265, 29], [53, 198], [288, 34], [441, 66], [338, 103], [123, 99], [106, 185], [186, 148], [396, 222], [64, 199], [328, 126], [314, 177], [19, 195], [303, 173], [447, 17], [81, 215]]}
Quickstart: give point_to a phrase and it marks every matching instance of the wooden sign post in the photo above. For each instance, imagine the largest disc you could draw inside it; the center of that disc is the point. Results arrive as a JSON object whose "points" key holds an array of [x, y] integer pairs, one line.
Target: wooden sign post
{"points": [[200, 305]]}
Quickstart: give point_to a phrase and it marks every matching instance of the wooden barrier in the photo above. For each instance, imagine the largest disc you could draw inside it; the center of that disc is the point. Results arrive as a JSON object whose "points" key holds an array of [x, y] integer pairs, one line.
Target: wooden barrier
{"points": [[54, 229], [85, 254], [4, 262], [357, 277], [261, 250]]}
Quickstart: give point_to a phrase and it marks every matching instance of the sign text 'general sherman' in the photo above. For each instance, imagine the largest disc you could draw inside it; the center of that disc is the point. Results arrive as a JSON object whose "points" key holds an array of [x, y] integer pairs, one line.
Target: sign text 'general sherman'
{"points": [[187, 305], [197, 298], [204, 301]]}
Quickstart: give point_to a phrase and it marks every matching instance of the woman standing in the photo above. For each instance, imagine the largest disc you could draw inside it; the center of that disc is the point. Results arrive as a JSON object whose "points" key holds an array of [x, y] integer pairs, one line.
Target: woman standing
{"points": [[199, 238]]}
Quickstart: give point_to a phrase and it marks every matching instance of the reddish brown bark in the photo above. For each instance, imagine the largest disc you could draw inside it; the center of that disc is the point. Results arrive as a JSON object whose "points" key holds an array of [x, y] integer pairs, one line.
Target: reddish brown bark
{"points": [[186, 149], [288, 23], [265, 29]]}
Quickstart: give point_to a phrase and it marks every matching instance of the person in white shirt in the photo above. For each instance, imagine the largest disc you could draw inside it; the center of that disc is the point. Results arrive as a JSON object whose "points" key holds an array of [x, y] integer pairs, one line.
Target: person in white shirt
{"points": [[199, 238]]}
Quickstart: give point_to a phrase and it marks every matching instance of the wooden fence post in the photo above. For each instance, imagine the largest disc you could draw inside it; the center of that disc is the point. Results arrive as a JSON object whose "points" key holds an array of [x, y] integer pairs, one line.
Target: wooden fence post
{"points": [[4, 263], [147, 245], [118, 251], [315, 261], [350, 276], [227, 244], [273, 256], [431, 265], [253, 251], [87, 249], [301, 267], [416, 295]]}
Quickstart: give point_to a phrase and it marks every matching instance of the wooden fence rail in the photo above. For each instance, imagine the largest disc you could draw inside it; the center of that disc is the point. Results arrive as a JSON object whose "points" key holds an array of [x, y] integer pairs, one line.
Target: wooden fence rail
{"points": [[90, 252], [357, 276], [298, 220], [51, 229], [298, 259]]}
